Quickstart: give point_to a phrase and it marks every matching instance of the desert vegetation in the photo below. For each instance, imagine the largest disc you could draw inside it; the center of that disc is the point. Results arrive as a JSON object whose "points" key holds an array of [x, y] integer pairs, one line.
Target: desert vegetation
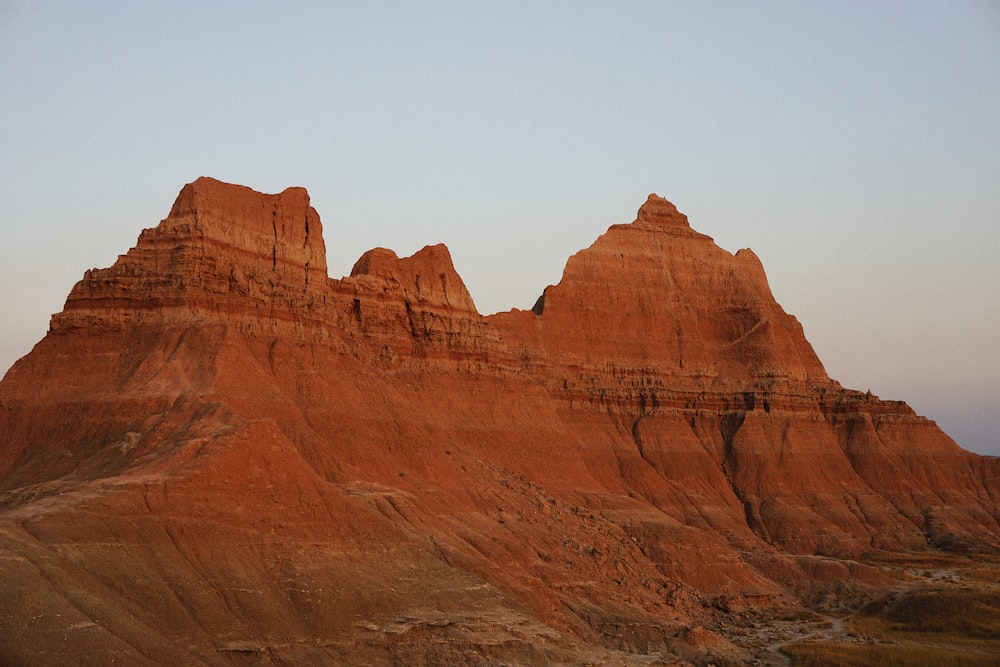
{"points": [[951, 617]]}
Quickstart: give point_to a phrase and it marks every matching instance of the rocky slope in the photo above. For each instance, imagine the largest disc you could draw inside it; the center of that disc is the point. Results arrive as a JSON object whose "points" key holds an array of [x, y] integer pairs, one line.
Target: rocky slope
{"points": [[218, 454]]}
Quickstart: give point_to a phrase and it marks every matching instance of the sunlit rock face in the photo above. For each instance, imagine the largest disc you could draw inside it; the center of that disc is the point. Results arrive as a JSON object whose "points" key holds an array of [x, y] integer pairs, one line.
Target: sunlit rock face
{"points": [[218, 453]]}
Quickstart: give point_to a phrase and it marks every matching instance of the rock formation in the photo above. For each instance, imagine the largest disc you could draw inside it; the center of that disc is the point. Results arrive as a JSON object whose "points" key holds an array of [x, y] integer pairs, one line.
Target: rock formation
{"points": [[219, 454]]}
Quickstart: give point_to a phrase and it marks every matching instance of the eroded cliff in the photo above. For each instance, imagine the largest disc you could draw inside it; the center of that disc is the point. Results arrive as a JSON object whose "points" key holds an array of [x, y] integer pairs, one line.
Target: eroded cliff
{"points": [[218, 452]]}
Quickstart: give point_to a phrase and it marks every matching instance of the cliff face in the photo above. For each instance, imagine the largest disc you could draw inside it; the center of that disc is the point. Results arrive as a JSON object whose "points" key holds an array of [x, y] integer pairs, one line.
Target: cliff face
{"points": [[218, 451], [222, 247]]}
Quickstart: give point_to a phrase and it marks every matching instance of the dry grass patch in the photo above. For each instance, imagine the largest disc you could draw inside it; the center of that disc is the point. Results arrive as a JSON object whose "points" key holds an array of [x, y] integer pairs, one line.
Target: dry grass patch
{"points": [[829, 654], [941, 615], [932, 628]]}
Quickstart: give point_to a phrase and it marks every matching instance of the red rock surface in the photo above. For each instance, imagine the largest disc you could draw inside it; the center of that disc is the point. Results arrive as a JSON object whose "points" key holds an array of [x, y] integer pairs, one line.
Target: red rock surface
{"points": [[218, 454]]}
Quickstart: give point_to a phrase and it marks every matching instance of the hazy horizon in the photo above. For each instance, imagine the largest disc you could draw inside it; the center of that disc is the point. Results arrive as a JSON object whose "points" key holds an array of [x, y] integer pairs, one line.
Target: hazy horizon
{"points": [[855, 148]]}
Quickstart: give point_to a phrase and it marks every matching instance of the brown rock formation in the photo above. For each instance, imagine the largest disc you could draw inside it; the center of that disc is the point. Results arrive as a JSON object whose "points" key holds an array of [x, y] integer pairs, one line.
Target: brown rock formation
{"points": [[218, 454]]}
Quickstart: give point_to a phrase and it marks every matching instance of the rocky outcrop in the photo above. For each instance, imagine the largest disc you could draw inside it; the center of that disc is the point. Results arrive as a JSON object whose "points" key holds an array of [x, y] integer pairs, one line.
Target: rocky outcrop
{"points": [[657, 298], [221, 247], [682, 345], [421, 303], [218, 453]]}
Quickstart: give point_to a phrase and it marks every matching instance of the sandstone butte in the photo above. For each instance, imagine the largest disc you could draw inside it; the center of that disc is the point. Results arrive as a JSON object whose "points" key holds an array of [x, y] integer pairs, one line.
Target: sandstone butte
{"points": [[220, 455]]}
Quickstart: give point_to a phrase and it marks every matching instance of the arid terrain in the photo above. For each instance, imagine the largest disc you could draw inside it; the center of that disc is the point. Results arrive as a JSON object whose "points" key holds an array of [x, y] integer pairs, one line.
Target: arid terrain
{"points": [[944, 611], [220, 455]]}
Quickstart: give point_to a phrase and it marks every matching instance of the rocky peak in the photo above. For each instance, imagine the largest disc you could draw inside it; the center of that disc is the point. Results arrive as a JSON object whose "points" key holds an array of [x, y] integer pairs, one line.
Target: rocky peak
{"points": [[250, 221], [428, 276], [208, 195], [422, 301], [659, 211], [222, 246], [649, 297], [376, 262]]}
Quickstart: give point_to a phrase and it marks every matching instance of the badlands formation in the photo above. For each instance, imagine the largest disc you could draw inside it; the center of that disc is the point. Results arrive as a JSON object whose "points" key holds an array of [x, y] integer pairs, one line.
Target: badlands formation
{"points": [[220, 455]]}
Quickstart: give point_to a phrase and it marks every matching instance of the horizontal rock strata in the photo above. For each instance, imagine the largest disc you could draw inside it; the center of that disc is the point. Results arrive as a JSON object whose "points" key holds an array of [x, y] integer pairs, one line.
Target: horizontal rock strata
{"points": [[218, 453]]}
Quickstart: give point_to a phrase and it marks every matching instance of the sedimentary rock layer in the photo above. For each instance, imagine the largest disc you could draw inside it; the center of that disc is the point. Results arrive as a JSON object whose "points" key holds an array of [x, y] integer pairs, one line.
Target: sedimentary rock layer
{"points": [[219, 453]]}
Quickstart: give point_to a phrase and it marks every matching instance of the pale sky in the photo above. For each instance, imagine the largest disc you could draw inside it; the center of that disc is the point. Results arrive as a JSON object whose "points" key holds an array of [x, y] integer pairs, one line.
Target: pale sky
{"points": [[854, 146]]}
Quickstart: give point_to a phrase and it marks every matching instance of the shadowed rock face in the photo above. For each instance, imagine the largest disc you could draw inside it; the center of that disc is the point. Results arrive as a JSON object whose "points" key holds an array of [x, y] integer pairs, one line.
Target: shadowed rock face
{"points": [[218, 454]]}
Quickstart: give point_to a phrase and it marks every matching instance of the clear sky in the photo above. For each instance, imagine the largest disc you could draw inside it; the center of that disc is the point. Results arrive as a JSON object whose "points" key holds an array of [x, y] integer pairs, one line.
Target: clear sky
{"points": [[855, 146]]}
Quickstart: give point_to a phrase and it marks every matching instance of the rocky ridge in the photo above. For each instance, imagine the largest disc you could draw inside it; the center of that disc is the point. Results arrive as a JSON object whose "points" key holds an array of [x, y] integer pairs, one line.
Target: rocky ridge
{"points": [[219, 453]]}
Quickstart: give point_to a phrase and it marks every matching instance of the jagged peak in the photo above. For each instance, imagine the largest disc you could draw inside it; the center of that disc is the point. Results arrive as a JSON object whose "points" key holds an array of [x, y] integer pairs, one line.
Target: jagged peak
{"points": [[659, 211], [429, 272]]}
